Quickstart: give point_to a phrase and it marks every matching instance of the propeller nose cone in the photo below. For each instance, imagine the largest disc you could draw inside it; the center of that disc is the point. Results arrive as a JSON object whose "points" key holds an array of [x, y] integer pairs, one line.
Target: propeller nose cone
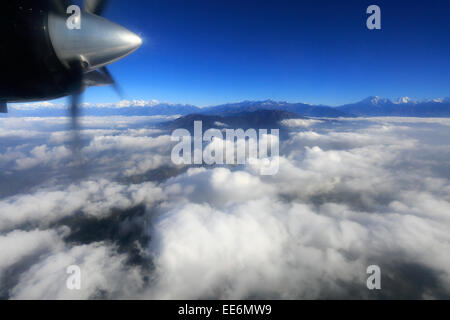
{"points": [[97, 43]]}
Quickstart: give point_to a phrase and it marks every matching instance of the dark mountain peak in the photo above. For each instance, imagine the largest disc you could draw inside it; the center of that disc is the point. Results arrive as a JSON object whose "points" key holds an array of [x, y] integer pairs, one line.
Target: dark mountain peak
{"points": [[261, 119]]}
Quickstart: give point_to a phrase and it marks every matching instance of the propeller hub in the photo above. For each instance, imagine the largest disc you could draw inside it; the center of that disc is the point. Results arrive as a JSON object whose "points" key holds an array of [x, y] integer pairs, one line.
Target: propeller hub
{"points": [[99, 42]]}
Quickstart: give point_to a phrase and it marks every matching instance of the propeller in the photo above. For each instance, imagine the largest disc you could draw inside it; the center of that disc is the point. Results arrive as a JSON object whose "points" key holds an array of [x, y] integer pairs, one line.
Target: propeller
{"points": [[87, 51], [113, 82], [96, 7], [76, 90]]}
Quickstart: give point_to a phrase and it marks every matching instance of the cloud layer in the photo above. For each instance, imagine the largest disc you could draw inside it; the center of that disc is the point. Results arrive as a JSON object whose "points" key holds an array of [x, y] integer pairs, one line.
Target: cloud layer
{"points": [[349, 194]]}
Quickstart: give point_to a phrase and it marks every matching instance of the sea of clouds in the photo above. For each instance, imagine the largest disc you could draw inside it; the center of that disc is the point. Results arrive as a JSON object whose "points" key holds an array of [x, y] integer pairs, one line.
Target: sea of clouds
{"points": [[349, 193]]}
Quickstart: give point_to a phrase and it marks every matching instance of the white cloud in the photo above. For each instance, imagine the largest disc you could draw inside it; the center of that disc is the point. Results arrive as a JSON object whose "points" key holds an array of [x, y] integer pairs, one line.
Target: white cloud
{"points": [[43, 155], [18, 245], [94, 198], [102, 270], [346, 196], [306, 123]]}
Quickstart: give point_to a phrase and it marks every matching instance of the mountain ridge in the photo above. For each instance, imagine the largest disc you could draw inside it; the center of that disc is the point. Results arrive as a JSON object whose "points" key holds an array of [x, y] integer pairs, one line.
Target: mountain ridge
{"points": [[369, 107], [403, 107]]}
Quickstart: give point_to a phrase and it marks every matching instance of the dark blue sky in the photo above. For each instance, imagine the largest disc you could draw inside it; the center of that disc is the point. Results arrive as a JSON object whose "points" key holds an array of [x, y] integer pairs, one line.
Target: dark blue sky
{"points": [[207, 52]]}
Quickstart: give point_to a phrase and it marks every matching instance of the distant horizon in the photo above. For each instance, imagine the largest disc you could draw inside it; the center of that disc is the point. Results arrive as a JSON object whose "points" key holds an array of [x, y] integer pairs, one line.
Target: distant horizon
{"points": [[125, 103]]}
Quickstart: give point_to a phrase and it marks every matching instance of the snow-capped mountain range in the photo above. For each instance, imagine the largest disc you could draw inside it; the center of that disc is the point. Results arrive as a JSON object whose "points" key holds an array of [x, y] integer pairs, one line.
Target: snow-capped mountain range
{"points": [[369, 107], [403, 107]]}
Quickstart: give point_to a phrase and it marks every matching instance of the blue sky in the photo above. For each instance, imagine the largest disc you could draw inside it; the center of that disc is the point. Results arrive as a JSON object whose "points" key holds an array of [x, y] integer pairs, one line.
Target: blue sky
{"points": [[207, 52]]}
